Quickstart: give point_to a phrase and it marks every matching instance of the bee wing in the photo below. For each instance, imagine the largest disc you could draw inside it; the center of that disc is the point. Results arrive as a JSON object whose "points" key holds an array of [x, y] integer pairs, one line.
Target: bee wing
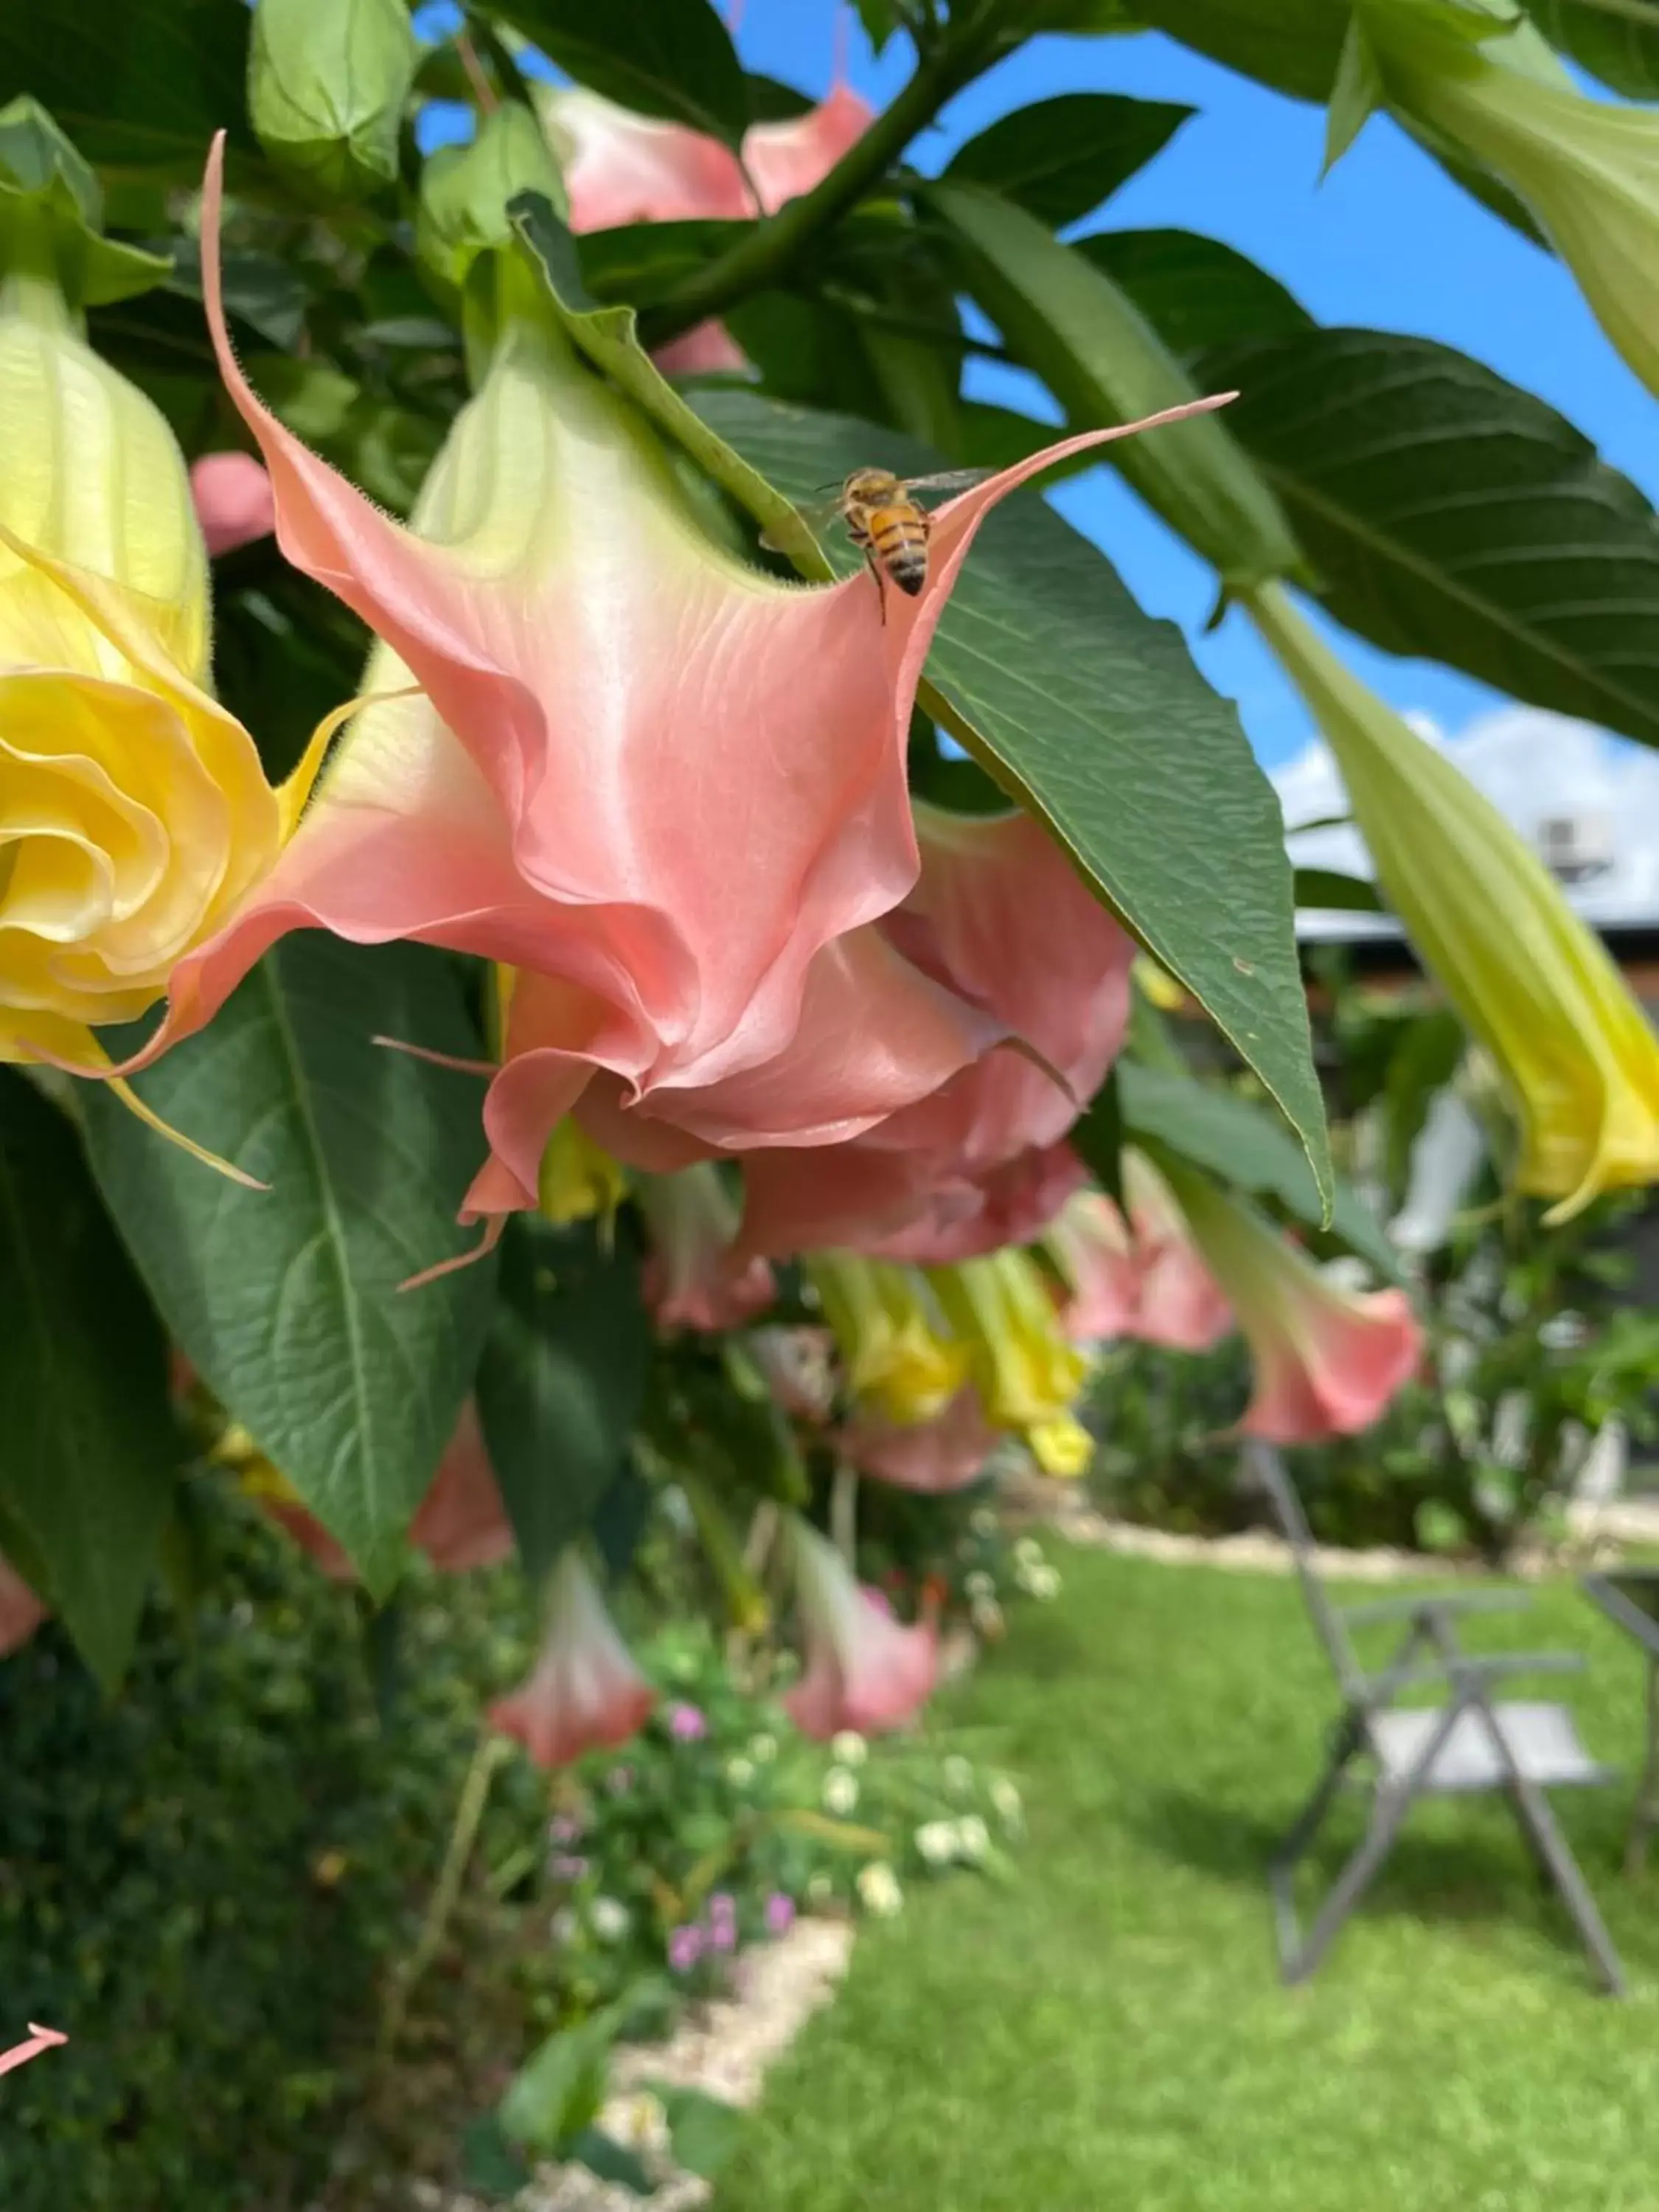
{"points": [[811, 516], [948, 480]]}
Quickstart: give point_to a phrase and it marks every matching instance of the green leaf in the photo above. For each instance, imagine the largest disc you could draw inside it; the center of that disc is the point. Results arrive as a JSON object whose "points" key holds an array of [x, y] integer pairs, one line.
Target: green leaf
{"points": [[1245, 1145], [562, 1378], [1065, 319], [1060, 158], [770, 100], [1617, 40], [640, 263], [1093, 718], [703, 2131], [1294, 46], [612, 2162], [880, 19], [1326, 890], [136, 87], [90, 1451], [668, 58], [490, 2168], [558, 2091], [287, 1301], [1196, 293], [1451, 515], [1098, 1136]]}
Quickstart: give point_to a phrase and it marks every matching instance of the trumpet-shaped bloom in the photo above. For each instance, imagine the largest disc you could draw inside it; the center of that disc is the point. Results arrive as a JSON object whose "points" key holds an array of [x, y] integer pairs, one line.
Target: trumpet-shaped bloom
{"points": [[864, 1670], [235, 503], [1327, 1361], [898, 1358], [1529, 977], [1588, 170], [21, 1611], [1144, 1279], [693, 1277], [999, 916], [1002, 1313], [946, 1453], [585, 1694], [134, 815], [666, 788]]}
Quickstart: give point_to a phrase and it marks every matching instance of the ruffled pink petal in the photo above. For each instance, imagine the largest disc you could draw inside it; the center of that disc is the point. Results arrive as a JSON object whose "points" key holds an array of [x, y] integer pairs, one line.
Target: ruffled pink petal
{"points": [[864, 1670], [585, 1694], [21, 1611], [235, 503], [946, 1453]]}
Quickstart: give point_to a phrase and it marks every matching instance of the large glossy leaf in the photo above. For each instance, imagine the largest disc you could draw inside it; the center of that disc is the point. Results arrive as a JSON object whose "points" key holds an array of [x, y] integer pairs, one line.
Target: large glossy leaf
{"points": [[1095, 718], [1292, 44], [668, 57], [88, 1449], [1060, 158], [1617, 40], [1196, 293], [287, 1301], [562, 1378], [1451, 514], [1246, 1147], [138, 87]]}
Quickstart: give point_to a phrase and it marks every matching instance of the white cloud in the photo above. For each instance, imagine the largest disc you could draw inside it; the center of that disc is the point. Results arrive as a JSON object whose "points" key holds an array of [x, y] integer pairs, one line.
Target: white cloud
{"points": [[1534, 767]]}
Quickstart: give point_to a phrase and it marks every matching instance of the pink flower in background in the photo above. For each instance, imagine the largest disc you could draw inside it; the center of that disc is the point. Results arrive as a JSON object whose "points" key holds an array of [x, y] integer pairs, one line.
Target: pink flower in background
{"points": [[21, 1611], [999, 916], [707, 350], [39, 2039], [1146, 1279], [864, 1671], [686, 1725], [1327, 1361], [692, 1278], [684, 1947], [787, 159], [946, 1453], [584, 1692], [235, 503], [780, 1913]]}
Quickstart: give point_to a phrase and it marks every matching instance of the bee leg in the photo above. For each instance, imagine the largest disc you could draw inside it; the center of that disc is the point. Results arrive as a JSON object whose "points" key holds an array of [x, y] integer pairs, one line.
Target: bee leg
{"points": [[876, 570]]}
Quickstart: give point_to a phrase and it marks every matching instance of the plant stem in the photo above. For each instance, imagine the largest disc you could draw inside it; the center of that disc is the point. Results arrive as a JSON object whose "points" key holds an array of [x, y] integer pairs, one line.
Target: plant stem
{"points": [[762, 257], [492, 1753]]}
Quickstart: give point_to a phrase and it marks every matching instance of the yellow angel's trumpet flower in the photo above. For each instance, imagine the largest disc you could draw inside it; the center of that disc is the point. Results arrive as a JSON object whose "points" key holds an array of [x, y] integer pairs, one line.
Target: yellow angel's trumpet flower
{"points": [[1530, 979], [898, 1359], [1027, 1375]]}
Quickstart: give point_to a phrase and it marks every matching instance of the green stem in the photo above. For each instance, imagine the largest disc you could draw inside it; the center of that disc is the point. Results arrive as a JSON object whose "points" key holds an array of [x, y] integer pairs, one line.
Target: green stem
{"points": [[492, 1753], [762, 257]]}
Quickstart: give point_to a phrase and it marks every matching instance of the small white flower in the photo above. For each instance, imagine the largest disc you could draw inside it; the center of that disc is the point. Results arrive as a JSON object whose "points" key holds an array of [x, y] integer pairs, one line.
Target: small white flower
{"points": [[982, 1521], [1044, 1583], [958, 1776], [610, 1919], [979, 1583], [879, 1889], [936, 1842], [850, 1749], [562, 1926], [739, 1772], [1010, 1809], [987, 1615], [819, 1889], [840, 1792], [1029, 1552], [762, 1749], [639, 2120], [973, 1837]]}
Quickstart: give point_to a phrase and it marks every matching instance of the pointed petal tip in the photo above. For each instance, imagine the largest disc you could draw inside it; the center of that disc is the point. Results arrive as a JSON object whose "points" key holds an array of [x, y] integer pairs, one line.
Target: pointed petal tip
{"points": [[485, 1245]]}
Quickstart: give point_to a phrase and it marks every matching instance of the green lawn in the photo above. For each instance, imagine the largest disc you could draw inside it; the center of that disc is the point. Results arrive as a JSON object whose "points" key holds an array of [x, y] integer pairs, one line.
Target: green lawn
{"points": [[1109, 2033]]}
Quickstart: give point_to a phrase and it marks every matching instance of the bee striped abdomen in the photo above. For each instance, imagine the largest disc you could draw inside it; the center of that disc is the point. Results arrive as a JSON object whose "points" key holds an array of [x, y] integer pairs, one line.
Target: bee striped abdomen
{"points": [[898, 538]]}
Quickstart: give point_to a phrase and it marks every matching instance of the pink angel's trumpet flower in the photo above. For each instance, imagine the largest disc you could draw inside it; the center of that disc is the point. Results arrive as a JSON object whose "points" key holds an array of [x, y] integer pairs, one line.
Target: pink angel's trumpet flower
{"points": [[39, 2039], [1327, 1361], [462, 1522], [21, 1611], [797, 1365], [1093, 1252], [233, 501], [1145, 1278], [707, 350], [692, 1278], [620, 168], [668, 790], [946, 1453], [865, 1672], [585, 1694], [786, 159], [999, 916]]}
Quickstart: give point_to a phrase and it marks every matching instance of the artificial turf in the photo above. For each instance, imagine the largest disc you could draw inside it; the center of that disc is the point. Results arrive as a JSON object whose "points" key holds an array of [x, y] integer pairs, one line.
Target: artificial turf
{"points": [[1109, 2031]]}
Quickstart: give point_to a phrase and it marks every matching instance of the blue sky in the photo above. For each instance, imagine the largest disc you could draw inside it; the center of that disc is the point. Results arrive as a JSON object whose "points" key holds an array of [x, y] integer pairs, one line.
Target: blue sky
{"points": [[1387, 242]]}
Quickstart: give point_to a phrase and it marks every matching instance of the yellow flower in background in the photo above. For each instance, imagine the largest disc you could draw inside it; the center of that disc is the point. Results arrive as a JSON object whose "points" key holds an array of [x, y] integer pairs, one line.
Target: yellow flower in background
{"points": [[1531, 981], [579, 1178], [1062, 1447], [1027, 1375], [898, 1359], [134, 813]]}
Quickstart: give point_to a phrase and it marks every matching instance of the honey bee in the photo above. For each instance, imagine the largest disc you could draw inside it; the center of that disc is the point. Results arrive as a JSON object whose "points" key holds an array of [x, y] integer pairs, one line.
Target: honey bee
{"points": [[887, 524]]}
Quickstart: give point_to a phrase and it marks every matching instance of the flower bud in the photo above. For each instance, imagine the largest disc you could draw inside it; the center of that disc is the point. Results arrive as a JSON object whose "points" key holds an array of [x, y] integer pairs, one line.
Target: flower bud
{"points": [[51, 208], [898, 1361], [327, 84], [466, 191], [1026, 1373], [1528, 978]]}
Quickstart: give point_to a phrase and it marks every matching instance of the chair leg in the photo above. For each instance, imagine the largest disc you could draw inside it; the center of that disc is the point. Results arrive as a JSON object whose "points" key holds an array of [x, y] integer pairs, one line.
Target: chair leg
{"points": [[1297, 1958], [1304, 1954], [1645, 1818], [1534, 1812]]}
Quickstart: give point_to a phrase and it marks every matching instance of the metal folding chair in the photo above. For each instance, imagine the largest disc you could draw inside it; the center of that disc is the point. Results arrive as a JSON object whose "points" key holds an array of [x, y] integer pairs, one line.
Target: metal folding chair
{"points": [[1465, 1744]]}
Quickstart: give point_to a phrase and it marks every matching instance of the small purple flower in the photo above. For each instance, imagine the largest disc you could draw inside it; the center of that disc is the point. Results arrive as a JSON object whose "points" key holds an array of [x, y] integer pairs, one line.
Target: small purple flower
{"points": [[619, 1781], [686, 1724], [722, 1905], [565, 1869], [564, 1828], [722, 1935], [684, 1948], [780, 1913]]}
